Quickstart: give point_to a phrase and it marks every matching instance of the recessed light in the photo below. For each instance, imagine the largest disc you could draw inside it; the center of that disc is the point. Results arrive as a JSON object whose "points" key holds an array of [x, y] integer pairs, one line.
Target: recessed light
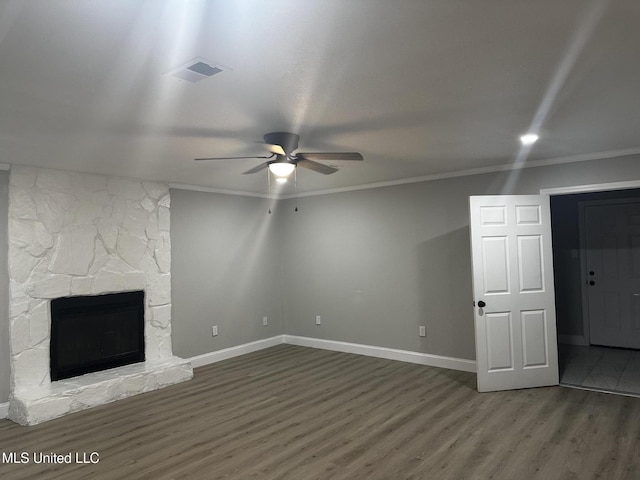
{"points": [[529, 139]]}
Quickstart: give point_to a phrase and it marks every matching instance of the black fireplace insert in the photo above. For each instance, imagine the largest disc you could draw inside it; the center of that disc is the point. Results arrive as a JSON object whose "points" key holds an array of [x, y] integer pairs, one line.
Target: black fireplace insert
{"points": [[98, 332]]}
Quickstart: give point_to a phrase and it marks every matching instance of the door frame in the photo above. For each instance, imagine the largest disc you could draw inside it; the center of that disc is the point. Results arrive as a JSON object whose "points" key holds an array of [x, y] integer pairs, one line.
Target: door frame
{"points": [[587, 188], [595, 187], [582, 227]]}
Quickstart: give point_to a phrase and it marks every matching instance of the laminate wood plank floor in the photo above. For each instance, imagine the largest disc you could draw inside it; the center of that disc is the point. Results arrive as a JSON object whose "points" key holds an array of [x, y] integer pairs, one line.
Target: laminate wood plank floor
{"points": [[298, 413]]}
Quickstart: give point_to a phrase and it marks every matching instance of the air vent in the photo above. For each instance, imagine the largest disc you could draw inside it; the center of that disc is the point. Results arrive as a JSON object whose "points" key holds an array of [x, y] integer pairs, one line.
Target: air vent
{"points": [[196, 70]]}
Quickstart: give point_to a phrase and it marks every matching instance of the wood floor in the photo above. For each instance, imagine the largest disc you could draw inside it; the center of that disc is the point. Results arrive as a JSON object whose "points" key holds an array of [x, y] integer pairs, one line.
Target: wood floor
{"points": [[297, 413]]}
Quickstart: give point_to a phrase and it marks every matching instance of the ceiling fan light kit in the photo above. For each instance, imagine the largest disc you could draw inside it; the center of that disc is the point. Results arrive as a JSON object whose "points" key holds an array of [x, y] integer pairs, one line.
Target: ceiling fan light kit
{"points": [[282, 169]]}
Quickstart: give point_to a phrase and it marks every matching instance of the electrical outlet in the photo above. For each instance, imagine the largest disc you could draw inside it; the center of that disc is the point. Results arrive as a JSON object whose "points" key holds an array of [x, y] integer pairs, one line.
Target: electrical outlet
{"points": [[423, 331], [265, 321], [214, 331], [318, 320]]}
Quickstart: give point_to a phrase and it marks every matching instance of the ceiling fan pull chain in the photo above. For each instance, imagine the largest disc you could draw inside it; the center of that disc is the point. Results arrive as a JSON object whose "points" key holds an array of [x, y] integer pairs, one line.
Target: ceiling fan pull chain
{"points": [[295, 186], [269, 190]]}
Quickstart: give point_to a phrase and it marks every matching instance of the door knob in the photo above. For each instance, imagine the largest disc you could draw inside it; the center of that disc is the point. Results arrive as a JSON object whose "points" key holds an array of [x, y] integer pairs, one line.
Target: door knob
{"points": [[592, 273], [481, 304], [591, 282]]}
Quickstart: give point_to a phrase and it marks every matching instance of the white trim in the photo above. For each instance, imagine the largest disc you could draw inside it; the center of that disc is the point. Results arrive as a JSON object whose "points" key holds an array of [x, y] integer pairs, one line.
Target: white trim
{"points": [[198, 188], [476, 171], [217, 356], [440, 176], [4, 410], [597, 187], [573, 340], [384, 352], [336, 346]]}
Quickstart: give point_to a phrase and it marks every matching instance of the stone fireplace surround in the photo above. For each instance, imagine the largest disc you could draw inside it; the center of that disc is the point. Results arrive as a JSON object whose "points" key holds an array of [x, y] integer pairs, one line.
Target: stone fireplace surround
{"points": [[81, 234]]}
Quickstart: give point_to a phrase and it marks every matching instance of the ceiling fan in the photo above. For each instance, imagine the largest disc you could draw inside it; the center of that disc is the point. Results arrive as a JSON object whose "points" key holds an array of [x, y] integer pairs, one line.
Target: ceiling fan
{"points": [[283, 161]]}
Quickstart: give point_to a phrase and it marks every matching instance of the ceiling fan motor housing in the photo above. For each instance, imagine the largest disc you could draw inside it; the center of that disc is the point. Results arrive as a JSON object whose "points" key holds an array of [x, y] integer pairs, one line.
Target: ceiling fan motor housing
{"points": [[288, 141]]}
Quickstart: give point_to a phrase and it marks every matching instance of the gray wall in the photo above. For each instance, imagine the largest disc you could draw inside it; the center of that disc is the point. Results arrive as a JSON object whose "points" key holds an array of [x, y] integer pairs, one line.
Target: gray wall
{"points": [[5, 370], [377, 263], [225, 271], [374, 264]]}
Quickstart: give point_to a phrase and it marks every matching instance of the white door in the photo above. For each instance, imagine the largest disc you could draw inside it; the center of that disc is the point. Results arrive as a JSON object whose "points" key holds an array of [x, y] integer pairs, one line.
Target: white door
{"points": [[515, 318], [613, 274]]}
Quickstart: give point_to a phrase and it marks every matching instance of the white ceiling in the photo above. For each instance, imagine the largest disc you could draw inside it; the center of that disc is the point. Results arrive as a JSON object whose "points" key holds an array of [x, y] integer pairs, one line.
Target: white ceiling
{"points": [[419, 87]]}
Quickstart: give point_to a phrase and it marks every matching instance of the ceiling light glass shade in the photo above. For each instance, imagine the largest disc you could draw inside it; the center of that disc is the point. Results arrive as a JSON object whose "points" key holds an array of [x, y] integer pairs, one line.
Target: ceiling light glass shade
{"points": [[282, 169]]}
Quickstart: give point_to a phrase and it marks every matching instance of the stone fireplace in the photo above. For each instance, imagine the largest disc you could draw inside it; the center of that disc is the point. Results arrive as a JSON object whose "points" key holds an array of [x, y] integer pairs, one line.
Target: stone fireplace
{"points": [[73, 234]]}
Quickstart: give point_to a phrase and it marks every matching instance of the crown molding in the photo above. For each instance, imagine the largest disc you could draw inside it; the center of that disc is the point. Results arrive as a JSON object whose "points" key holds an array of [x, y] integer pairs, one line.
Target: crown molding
{"points": [[474, 171], [405, 181], [198, 188]]}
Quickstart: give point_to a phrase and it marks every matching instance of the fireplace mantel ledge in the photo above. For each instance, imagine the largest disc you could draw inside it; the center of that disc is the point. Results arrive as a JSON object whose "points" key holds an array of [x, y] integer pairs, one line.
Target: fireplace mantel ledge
{"points": [[37, 405]]}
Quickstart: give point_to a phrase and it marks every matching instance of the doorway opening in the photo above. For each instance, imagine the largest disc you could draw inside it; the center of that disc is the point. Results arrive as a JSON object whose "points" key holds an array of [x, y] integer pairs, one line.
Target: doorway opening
{"points": [[596, 271]]}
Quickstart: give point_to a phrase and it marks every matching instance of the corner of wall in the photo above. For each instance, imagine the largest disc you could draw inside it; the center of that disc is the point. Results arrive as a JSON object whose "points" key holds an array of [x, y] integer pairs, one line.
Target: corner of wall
{"points": [[5, 372]]}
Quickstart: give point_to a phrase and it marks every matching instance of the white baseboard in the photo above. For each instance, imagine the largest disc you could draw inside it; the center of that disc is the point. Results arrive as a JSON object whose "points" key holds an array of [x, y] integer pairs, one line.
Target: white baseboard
{"points": [[573, 340], [383, 352], [4, 410], [213, 357], [359, 349]]}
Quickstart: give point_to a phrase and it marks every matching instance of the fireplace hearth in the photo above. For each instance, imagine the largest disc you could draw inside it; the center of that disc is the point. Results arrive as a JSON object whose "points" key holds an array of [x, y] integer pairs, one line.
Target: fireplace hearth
{"points": [[91, 333]]}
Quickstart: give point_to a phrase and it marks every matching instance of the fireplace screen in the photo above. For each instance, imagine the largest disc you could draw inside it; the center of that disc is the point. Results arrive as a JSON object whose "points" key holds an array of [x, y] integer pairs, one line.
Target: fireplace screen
{"points": [[93, 333]]}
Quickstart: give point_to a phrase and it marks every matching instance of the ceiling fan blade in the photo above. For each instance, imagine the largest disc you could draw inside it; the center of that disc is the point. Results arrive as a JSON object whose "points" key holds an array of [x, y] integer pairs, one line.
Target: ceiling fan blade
{"points": [[316, 167], [273, 148], [330, 156], [227, 158], [256, 169], [287, 141]]}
